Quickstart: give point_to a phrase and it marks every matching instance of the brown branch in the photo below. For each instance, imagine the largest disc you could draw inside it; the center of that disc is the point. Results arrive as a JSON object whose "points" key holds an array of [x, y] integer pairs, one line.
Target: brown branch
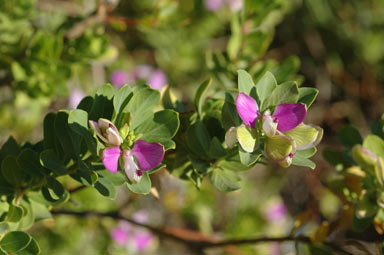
{"points": [[193, 239], [79, 28]]}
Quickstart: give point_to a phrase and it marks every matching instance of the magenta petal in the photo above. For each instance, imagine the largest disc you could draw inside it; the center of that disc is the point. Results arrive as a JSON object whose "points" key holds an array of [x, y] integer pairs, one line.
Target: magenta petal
{"points": [[111, 158], [289, 116], [148, 155], [247, 109]]}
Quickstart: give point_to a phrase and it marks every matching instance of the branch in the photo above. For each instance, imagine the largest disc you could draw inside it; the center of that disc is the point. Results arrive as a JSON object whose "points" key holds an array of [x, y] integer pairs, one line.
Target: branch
{"points": [[191, 238], [79, 28]]}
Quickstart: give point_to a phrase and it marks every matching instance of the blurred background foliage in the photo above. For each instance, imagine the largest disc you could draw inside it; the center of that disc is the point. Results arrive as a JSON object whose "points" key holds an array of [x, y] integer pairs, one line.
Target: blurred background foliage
{"points": [[54, 52]]}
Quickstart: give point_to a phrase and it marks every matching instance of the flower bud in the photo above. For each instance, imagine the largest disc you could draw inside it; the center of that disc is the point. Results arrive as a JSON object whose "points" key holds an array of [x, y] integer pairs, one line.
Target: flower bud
{"points": [[280, 149], [269, 124], [287, 161], [107, 132]]}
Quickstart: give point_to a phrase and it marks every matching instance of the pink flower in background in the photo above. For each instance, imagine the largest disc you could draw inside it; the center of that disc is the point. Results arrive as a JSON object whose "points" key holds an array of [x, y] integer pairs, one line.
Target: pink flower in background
{"points": [[136, 238], [120, 78], [213, 5], [75, 98], [140, 216], [142, 72], [143, 240], [274, 249], [120, 235], [235, 5], [158, 79], [276, 211]]}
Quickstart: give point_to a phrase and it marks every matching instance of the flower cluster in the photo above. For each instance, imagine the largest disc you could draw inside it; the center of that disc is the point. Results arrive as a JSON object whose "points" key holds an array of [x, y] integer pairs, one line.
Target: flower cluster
{"points": [[283, 130], [134, 156]]}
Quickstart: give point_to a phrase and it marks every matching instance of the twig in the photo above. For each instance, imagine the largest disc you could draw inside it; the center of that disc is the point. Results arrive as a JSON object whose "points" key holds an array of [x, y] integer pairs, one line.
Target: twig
{"points": [[77, 189], [186, 236], [79, 28]]}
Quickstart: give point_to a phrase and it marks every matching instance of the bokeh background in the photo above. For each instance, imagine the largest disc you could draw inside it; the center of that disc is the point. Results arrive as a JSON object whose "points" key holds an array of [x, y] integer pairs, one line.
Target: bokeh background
{"points": [[54, 52]]}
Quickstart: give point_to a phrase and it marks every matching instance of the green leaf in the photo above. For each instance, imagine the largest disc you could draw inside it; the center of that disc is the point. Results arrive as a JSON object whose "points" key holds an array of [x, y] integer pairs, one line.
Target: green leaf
{"points": [[116, 179], [49, 160], [336, 158], [287, 92], [120, 100], [105, 187], [15, 213], [32, 249], [200, 95], [247, 138], [122, 97], [300, 160], [349, 136], [168, 144], [201, 166], [264, 87], [86, 104], [11, 171], [141, 105], [161, 126], [29, 162], [49, 131], [102, 105], [15, 241], [143, 186], [224, 180], [229, 115], [70, 141], [233, 164], [51, 198], [307, 153], [40, 211], [216, 149], [248, 159], [28, 215], [106, 90], [198, 139], [56, 189], [375, 145], [78, 122], [245, 82], [10, 148], [307, 96]]}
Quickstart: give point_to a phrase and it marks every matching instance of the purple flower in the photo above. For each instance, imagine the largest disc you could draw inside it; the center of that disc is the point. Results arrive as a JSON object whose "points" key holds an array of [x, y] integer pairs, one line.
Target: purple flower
{"points": [[147, 155], [120, 78], [75, 97], [213, 5], [285, 117], [157, 79], [276, 211], [143, 156], [284, 130], [248, 109], [235, 5]]}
